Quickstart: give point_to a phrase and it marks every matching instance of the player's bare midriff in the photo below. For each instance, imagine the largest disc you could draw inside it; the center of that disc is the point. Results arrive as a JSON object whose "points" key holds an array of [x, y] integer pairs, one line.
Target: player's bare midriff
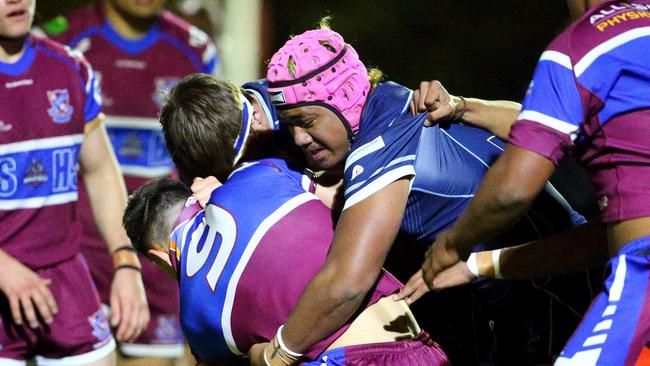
{"points": [[623, 232], [384, 321]]}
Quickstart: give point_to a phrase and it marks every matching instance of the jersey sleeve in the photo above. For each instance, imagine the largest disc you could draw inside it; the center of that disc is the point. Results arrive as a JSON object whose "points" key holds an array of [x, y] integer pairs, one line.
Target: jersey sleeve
{"points": [[382, 160], [93, 99], [552, 110]]}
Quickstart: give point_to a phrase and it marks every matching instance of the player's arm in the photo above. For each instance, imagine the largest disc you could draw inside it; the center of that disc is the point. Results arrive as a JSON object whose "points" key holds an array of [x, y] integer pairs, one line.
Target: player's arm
{"points": [[578, 248], [107, 194], [506, 193], [496, 116], [363, 237]]}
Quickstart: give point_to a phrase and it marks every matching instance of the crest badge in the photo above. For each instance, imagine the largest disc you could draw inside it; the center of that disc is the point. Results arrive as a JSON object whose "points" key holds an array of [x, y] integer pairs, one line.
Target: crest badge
{"points": [[60, 108]]}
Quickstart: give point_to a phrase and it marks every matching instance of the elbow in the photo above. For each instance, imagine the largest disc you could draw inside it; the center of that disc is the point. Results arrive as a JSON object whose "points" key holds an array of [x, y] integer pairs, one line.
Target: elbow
{"points": [[511, 197], [348, 287]]}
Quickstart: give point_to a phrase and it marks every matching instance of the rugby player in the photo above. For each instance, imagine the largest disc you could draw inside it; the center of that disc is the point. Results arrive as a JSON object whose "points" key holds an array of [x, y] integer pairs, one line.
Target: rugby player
{"points": [[51, 122], [139, 50]]}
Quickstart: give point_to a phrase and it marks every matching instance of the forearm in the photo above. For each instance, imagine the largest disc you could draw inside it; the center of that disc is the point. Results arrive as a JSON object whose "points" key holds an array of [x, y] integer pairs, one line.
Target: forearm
{"points": [[575, 249], [496, 116], [326, 304]]}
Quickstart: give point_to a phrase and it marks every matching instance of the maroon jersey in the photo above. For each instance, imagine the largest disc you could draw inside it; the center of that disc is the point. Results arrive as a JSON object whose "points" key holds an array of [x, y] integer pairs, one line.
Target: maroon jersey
{"points": [[48, 97]]}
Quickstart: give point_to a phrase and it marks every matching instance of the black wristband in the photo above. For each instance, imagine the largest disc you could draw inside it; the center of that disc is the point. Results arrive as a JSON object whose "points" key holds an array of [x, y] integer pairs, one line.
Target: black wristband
{"points": [[126, 247], [129, 266]]}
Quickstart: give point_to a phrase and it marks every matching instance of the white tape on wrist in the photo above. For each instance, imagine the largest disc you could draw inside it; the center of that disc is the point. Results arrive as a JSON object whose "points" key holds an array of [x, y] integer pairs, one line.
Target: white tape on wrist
{"points": [[496, 264], [284, 348], [472, 264]]}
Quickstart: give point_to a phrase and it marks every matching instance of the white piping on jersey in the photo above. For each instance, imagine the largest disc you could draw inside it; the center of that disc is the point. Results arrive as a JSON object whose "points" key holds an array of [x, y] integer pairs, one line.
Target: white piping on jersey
{"points": [[619, 280], [255, 239], [558, 58], [408, 101], [443, 195], [465, 148], [364, 150], [260, 99], [490, 140], [135, 123], [393, 162], [242, 167], [38, 202], [378, 184], [145, 172], [41, 144], [173, 350], [591, 56], [552, 122]]}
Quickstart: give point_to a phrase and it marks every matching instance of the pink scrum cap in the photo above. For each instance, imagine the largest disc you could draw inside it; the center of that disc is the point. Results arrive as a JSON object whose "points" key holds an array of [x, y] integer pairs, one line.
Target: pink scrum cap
{"points": [[328, 73]]}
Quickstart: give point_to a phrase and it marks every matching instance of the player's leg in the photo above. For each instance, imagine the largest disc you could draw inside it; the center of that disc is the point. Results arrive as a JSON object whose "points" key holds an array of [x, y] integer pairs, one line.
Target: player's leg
{"points": [[80, 334]]}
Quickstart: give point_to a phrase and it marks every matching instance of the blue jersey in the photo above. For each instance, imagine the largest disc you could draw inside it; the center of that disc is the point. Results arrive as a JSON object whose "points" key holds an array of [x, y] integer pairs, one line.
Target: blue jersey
{"points": [[445, 165]]}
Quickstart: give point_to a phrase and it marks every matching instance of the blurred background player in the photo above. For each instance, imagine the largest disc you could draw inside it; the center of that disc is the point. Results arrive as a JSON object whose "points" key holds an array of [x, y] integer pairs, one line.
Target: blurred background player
{"points": [[51, 122], [139, 51]]}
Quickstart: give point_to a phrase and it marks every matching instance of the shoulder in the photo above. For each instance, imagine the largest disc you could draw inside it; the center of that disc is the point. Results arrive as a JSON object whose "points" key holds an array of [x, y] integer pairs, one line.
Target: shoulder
{"points": [[191, 41], [61, 53]]}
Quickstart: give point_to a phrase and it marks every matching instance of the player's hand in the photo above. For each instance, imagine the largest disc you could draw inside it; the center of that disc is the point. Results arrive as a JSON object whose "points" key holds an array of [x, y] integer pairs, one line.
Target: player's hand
{"points": [[203, 187], [413, 290], [442, 254], [434, 99], [456, 275], [256, 354], [129, 308], [28, 293]]}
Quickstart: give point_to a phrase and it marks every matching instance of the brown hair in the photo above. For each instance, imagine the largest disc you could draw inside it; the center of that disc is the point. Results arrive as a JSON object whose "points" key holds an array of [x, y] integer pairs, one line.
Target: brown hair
{"points": [[201, 120]]}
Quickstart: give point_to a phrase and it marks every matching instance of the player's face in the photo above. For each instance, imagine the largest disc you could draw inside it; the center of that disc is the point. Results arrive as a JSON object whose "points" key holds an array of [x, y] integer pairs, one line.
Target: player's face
{"points": [[320, 134], [16, 17], [139, 8]]}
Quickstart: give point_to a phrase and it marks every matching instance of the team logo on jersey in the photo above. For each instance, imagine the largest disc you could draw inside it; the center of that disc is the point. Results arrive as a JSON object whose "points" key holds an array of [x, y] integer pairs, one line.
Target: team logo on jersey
{"points": [[35, 175], [60, 110], [132, 147], [98, 321], [167, 330], [358, 169], [162, 85]]}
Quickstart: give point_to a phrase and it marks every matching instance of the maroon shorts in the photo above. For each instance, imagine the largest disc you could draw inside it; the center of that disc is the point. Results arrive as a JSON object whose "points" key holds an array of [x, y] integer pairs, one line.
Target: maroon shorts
{"points": [[79, 333], [420, 350], [163, 336]]}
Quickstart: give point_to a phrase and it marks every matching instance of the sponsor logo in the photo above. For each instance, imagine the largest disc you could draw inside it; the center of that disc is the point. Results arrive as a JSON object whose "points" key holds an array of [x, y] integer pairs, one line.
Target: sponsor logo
{"points": [[4, 126], [190, 201], [162, 86], [615, 14], [60, 108], [277, 97], [18, 83], [132, 147], [358, 169], [130, 64], [35, 175]]}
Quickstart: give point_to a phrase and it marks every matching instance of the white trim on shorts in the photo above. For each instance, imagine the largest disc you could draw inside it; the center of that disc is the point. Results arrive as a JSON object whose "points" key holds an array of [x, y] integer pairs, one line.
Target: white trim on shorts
{"points": [[81, 359], [153, 350], [12, 362]]}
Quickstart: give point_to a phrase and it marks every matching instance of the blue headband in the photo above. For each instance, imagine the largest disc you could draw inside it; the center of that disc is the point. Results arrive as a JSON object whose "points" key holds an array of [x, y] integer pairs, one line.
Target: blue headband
{"points": [[247, 117]]}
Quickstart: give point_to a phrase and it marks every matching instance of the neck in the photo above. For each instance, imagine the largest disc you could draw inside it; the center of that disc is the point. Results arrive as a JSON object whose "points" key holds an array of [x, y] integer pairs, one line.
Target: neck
{"points": [[126, 25], [11, 49]]}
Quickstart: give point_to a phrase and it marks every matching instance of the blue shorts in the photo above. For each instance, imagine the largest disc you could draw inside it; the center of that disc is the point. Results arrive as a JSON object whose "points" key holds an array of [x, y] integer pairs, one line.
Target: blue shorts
{"points": [[616, 328], [420, 350]]}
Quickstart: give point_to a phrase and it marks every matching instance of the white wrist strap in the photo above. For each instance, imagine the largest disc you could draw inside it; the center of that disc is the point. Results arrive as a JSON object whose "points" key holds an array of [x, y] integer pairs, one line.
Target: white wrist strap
{"points": [[472, 264], [495, 263], [282, 345]]}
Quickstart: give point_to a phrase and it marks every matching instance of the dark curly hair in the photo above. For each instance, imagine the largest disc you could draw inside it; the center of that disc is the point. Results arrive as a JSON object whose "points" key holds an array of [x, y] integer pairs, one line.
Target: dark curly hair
{"points": [[144, 217]]}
